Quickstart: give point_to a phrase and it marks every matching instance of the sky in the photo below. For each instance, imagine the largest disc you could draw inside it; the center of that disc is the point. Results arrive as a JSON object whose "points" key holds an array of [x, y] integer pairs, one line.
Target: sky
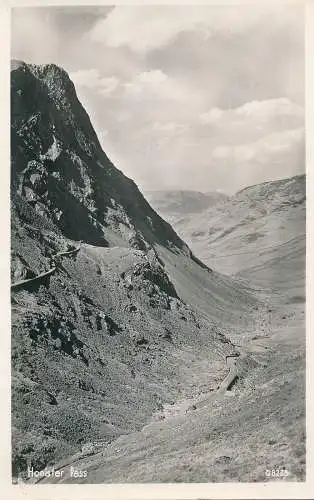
{"points": [[202, 97]]}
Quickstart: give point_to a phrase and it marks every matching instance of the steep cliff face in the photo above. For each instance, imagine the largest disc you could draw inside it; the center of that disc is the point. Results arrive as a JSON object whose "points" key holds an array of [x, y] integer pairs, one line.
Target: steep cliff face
{"points": [[103, 332], [60, 170]]}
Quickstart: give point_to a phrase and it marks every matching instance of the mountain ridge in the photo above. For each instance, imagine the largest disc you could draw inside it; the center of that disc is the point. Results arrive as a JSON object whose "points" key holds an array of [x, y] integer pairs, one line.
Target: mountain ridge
{"points": [[269, 213], [173, 203]]}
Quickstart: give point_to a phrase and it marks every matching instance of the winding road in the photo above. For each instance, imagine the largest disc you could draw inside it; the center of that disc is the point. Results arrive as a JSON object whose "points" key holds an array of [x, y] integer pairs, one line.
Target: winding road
{"points": [[41, 277], [80, 460]]}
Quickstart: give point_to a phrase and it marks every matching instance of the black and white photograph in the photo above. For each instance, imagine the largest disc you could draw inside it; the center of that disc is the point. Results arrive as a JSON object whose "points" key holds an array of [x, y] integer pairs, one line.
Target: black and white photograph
{"points": [[158, 244]]}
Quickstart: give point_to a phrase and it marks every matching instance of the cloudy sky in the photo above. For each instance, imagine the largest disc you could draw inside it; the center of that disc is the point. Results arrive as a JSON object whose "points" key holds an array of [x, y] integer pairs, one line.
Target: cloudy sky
{"points": [[182, 97]]}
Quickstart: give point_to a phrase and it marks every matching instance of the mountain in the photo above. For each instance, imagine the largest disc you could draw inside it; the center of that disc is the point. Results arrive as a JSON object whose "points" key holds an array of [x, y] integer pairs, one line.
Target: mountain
{"points": [[175, 206], [252, 233], [59, 168], [113, 317], [176, 203], [277, 238]]}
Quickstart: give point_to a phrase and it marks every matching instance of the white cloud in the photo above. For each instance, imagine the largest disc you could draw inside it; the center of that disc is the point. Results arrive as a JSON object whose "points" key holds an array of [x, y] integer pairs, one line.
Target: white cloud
{"points": [[221, 152], [259, 111], [265, 150], [245, 152], [154, 77], [29, 28], [92, 79], [212, 116], [108, 85], [168, 127], [267, 109], [86, 78], [156, 84], [242, 133], [145, 28], [279, 142]]}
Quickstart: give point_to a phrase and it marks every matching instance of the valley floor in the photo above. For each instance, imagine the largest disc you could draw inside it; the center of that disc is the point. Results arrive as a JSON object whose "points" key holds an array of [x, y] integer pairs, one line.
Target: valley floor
{"points": [[219, 435]]}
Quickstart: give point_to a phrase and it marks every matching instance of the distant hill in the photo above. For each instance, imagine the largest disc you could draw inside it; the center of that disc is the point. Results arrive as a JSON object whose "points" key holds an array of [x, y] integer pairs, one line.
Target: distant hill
{"points": [[247, 230], [183, 202]]}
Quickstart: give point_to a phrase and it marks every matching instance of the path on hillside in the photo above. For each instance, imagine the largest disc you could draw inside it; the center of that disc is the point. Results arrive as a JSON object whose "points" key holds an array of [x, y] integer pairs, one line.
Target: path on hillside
{"points": [[81, 460], [42, 276]]}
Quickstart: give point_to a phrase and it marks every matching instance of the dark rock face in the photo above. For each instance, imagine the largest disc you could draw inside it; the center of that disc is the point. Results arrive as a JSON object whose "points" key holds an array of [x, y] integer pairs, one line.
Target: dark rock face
{"points": [[60, 170], [153, 273]]}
